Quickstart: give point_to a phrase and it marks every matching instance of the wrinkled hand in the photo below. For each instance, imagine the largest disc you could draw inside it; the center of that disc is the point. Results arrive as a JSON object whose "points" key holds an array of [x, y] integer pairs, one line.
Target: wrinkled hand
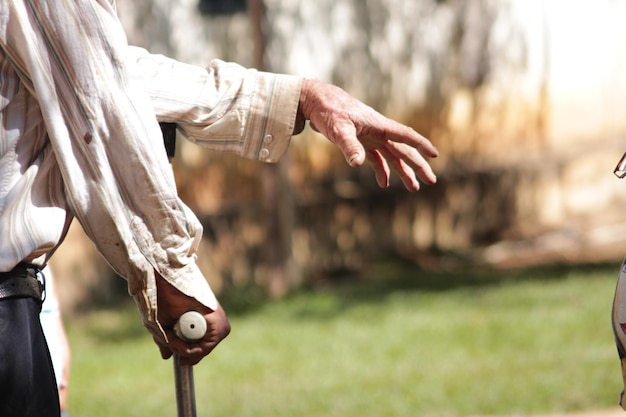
{"points": [[361, 133], [173, 304]]}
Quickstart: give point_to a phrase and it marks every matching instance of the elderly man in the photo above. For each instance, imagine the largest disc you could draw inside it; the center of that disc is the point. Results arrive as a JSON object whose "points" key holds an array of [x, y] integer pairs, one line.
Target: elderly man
{"points": [[79, 137]]}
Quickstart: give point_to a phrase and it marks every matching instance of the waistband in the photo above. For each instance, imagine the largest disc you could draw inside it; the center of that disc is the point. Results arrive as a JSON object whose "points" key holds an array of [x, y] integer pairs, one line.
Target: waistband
{"points": [[21, 282]]}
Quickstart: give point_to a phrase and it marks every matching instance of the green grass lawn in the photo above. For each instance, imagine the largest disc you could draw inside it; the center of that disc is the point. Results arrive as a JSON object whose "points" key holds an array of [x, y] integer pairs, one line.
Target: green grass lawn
{"points": [[399, 342]]}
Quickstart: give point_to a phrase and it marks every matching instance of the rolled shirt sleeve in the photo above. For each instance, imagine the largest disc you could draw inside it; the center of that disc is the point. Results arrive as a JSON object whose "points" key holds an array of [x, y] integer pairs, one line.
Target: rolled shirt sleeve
{"points": [[225, 106], [95, 150], [90, 121]]}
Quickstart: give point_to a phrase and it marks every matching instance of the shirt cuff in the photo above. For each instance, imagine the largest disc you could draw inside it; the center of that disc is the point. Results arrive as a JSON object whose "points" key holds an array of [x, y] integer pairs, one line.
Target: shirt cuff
{"points": [[272, 116]]}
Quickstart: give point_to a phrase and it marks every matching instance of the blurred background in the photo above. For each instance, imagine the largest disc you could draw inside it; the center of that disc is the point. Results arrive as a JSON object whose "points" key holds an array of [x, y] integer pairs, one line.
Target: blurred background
{"points": [[523, 99]]}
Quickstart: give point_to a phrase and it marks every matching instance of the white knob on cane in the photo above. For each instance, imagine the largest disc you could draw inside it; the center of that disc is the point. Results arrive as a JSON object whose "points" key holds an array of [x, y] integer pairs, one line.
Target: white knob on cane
{"points": [[191, 326]]}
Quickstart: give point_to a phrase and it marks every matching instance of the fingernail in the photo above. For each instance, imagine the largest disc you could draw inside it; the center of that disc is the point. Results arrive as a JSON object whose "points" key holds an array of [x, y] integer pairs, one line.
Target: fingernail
{"points": [[354, 159]]}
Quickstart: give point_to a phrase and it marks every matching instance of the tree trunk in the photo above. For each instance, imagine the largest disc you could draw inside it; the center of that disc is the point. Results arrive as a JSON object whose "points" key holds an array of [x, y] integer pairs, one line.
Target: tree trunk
{"points": [[277, 198]]}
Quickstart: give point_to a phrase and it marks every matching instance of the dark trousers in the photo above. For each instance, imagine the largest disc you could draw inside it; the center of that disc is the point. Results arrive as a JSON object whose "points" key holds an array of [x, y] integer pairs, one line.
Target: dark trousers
{"points": [[27, 383]]}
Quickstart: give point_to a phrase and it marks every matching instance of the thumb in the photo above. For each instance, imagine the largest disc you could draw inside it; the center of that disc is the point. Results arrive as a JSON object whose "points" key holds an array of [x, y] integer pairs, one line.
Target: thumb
{"points": [[346, 140]]}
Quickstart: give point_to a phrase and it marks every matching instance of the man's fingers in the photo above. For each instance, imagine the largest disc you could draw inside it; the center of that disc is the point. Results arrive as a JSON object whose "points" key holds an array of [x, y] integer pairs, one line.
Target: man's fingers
{"points": [[414, 160], [404, 171], [400, 133], [188, 353], [398, 157], [380, 167]]}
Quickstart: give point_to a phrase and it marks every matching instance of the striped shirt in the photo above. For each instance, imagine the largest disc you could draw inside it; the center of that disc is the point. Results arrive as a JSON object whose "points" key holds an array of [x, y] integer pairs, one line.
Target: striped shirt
{"points": [[79, 138]]}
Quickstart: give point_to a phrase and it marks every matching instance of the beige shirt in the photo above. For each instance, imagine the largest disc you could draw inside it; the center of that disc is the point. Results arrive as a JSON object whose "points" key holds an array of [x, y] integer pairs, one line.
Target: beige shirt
{"points": [[79, 137]]}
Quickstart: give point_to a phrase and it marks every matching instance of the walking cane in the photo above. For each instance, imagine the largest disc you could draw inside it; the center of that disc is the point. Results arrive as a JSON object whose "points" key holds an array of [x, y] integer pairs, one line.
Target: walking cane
{"points": [[190, 327]]}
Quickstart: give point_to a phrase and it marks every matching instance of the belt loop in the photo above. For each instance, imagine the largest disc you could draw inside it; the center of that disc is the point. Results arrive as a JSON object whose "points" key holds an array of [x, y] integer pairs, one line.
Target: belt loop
{"points": [[41, 277], [38, 274]]}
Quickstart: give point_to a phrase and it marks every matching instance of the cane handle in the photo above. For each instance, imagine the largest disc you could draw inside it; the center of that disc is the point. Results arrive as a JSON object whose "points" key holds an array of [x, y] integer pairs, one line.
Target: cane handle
{"points": [[191, 326]]}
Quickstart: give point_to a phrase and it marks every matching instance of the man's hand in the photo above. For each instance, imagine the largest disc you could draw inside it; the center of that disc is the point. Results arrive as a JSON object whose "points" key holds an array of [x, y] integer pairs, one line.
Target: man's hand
{"points": [[172, 304], [361, 133]]}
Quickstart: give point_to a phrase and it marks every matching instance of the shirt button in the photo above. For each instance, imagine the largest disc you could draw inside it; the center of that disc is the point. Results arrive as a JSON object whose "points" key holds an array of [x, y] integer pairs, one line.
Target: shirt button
{"points": [[264, 153], [268, 138]]}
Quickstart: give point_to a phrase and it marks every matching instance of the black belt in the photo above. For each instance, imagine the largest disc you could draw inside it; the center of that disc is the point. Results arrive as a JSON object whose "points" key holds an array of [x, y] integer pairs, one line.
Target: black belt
{"points": [[21, 282]]}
